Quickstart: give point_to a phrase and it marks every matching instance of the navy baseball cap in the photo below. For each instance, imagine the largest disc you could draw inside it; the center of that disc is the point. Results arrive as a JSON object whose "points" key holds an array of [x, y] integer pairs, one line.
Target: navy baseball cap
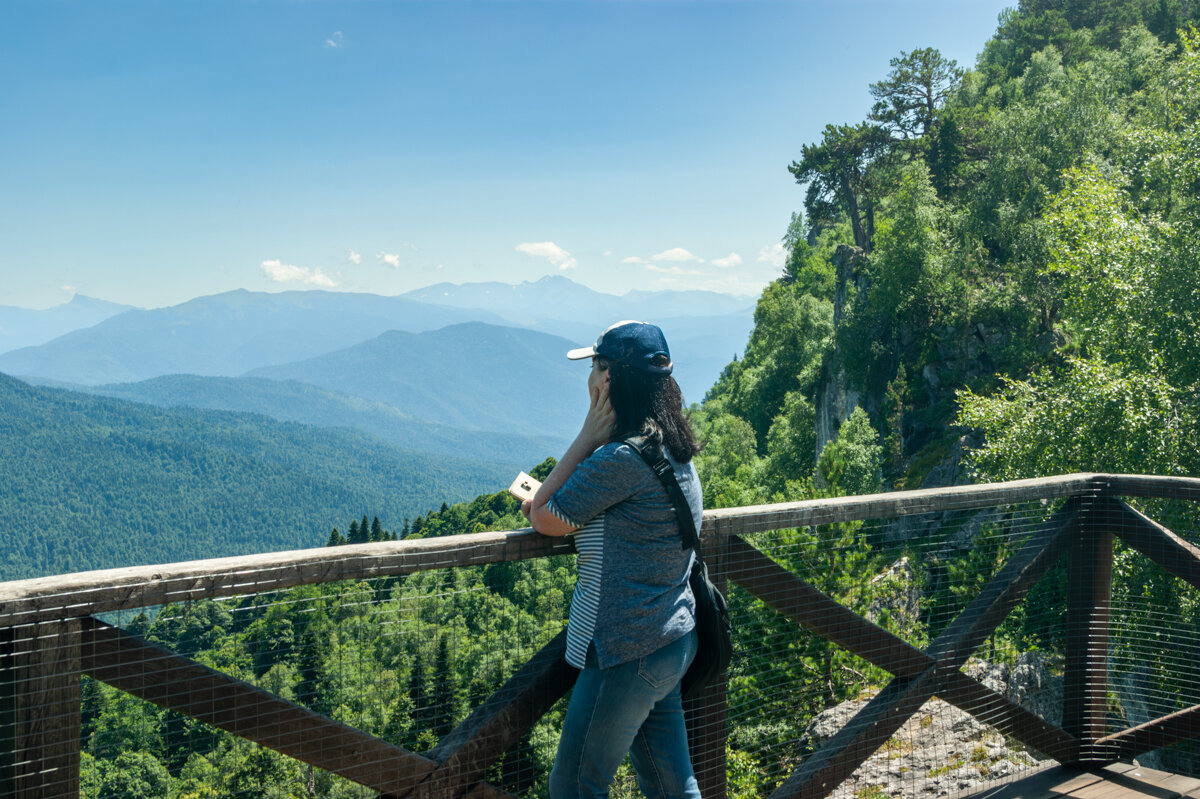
{"points": [[634, 344]]}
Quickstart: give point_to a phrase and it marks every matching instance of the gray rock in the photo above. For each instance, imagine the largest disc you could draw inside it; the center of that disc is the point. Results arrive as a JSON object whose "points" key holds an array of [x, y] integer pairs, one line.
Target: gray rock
{"points": [[942, 750]]}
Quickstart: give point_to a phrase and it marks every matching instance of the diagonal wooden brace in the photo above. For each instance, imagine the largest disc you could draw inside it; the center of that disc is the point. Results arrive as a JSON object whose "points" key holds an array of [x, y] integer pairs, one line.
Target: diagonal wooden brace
{"points": [[495, 726], [808, 607], [887, 711], [1183, 725], [1175, 555], [171, 681]]}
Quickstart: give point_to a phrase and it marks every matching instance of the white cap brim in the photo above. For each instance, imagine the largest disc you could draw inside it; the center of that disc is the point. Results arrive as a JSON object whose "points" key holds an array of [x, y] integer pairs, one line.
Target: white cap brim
{"points": [[581, 353]]}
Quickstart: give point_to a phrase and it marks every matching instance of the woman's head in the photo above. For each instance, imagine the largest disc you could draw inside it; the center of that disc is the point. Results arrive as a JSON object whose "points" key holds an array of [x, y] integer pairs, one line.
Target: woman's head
{"points": [[644, 396]]}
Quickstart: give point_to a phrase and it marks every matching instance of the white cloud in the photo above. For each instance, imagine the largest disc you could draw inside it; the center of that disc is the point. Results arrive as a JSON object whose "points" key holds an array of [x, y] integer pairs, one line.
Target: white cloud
{"points": [[775, 255], [606, 253], [289, 273], [334, 41], [389, 259], [355, 257], [633, 259], [728, 262], [550, 251], [676, 255]]}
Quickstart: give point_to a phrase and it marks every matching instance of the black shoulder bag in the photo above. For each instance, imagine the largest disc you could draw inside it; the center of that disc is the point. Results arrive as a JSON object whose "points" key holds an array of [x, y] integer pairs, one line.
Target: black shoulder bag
{"points": [[712, 614]]}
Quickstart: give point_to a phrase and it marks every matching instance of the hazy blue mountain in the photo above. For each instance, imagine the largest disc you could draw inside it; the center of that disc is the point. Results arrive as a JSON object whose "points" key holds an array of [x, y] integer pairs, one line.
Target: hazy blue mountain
{"points": [[27, 327], [224, 335], [91, 482], [705, 329], [473, 376], [292, 401]]}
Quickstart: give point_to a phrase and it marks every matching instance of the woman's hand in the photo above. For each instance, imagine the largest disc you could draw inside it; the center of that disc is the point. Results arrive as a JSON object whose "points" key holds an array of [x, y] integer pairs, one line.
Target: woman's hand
{"points": [[597, 429], [600, 420]]}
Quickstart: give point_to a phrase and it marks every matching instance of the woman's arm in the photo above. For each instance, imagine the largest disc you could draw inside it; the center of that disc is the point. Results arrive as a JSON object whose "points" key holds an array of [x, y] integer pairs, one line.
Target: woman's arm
{"points": [[596, 431]]}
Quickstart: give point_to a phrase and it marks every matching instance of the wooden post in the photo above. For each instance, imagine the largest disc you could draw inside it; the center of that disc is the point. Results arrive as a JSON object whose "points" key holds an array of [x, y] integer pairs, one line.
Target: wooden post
{"points": [[1089, 599], [39, 710], [705, 713]]}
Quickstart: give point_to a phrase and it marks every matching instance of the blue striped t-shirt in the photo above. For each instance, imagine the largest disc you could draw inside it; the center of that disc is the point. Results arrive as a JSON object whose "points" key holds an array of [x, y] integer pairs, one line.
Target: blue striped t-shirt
{"points": [[631, 595]]}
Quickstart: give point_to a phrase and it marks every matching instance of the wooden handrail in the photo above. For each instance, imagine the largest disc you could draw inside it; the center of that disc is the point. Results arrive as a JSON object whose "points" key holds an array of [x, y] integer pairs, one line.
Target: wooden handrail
{"points": [[88, 593]]}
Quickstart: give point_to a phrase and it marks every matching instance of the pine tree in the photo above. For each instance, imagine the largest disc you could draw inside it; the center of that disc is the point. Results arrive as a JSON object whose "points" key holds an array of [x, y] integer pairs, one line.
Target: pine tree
{"points": [[336, 539], [444, 691], [354, 537], [418, 696], [377, 533]]}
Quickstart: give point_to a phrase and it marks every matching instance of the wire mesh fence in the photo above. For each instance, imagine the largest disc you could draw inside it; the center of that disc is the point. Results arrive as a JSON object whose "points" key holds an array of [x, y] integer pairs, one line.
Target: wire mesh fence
{"points": [[404, 659], [403, 682]]}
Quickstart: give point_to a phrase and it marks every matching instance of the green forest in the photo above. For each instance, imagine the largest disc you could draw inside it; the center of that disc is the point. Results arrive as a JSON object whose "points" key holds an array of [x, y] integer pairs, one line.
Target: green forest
{"points": [[993, 277], [90, 482]]}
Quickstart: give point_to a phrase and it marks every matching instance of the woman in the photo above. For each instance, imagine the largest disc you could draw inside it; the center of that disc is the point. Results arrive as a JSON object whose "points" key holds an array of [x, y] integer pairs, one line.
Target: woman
{"points": [[631, 626]]}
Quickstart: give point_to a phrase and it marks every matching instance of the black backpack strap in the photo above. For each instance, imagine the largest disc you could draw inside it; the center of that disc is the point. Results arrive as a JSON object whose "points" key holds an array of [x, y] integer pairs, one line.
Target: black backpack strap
{"points": [[656, 459]]}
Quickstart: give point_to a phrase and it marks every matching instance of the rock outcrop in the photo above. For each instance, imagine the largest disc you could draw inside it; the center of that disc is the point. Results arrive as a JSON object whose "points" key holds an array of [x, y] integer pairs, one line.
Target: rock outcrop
{"points": [[835, 400], [942, 750]]}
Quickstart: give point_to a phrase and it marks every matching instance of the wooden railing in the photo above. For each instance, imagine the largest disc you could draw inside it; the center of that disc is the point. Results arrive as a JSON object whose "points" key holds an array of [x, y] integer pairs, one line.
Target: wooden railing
{"points": [[51, 633]]}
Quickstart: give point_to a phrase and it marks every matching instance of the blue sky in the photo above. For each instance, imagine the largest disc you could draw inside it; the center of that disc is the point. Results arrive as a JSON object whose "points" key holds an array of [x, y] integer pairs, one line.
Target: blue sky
{"points": [[151, 152]]}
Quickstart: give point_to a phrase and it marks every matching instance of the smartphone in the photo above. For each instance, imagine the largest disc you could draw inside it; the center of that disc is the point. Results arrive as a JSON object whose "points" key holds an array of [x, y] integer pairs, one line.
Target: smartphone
{"points": [[524, 487]]}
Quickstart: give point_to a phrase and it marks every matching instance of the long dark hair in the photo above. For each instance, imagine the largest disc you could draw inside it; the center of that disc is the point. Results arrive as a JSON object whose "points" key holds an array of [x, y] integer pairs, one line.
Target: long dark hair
{"points": [[650, 405]]}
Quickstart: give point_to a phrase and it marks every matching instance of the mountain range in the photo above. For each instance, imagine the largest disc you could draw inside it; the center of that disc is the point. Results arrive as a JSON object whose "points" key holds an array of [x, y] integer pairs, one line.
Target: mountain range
{"points": [[224, 335], [248, 422], [232, 333]]}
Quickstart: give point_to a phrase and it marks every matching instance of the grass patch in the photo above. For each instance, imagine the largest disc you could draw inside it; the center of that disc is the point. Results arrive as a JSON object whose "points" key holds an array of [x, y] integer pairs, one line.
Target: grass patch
{"points": [[953, 765]]}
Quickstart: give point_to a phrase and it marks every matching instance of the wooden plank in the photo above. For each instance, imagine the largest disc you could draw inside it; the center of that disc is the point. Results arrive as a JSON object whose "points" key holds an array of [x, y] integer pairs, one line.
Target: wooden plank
{"points": [[1079, 780], [176, 683], [40, 697], [88, 593], [759, 518], [812, 609], [887, 711], [1177, 782], [1183, 725], [1143, 485], [497, 725], [1172, 553], [1048, 783], [706, 714], [1089, 600], [1129, 782]]}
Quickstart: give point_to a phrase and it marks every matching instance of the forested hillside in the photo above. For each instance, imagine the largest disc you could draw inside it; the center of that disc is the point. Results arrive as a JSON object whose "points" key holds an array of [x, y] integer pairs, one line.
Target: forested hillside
{"points": [[1009, 250], [90, 482], [994, 277]]}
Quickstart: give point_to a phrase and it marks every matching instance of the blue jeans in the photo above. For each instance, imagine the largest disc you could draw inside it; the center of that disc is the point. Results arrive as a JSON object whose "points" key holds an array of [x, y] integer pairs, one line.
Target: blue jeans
{"points": [[633, 707]]}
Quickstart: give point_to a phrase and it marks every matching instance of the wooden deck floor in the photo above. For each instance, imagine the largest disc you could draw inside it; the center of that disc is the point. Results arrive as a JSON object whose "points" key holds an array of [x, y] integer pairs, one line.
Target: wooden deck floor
{"points": [[1118, 781]]}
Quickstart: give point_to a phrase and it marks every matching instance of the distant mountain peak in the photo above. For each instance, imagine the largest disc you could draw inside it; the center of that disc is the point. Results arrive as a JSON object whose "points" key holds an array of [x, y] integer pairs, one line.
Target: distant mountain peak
{"points": [[86, 302]]}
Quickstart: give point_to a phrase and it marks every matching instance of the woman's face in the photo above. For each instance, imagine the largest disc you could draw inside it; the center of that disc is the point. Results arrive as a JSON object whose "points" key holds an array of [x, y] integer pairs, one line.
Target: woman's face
{"points": [[597, 377]]}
